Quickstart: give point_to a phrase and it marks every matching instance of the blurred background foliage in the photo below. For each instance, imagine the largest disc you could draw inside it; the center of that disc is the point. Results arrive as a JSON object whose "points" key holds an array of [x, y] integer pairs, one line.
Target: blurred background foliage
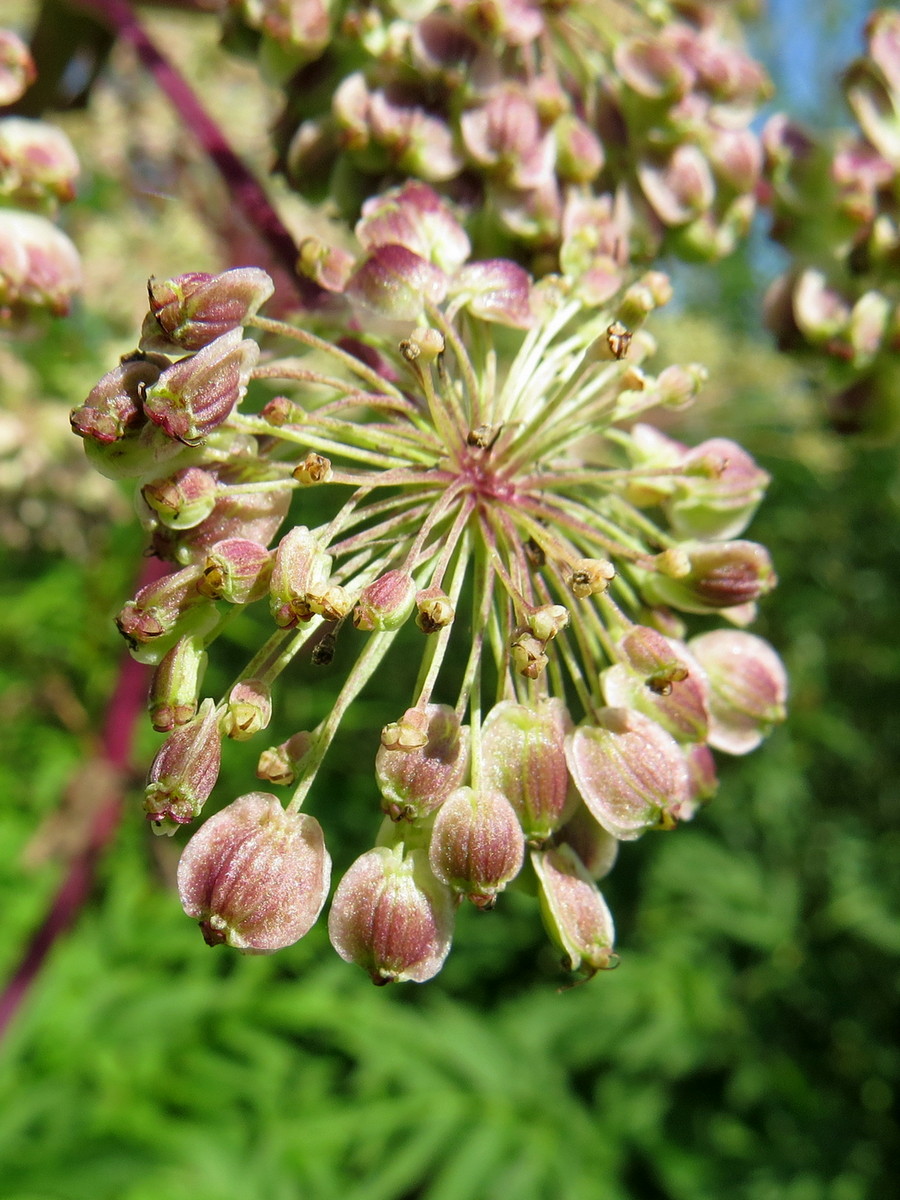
{"points": [[745, 1048]]}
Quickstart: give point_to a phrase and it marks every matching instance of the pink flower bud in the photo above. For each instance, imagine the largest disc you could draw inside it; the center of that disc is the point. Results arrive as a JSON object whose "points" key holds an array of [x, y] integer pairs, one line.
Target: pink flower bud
{"points": [[702, 770], [523, 756], [301, 566], [248, 709], [254, 876], [37, 162], [17, 70], [157, 608], [630, 773], [236, 570], [195, 395], [326, 265], [495, 290], [414, 216], [395, 282], [193, 310], [678, 187], [476, 844], [386, 602], [651, 69], [39, 266], [184, 499], [579, 154], [596, 848], [721, 492], [719, 575], [574, 912], [505, 136], [253, 516], [748, 688], [113, 405], [279, 764], [420, 761], [662, 680], [176, 684], [184, 771], [391, 916], [417, 143]]}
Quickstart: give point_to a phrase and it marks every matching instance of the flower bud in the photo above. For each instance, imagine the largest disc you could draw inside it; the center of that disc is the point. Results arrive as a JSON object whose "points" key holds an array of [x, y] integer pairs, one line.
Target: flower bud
{"points": [[391, 916], [279, 764], [184, 771], [254, 876], [252, 516], [579, 155], [39, 265], [434, 609], [721, 575], [420, 761], [332, 601], [194, 309], [416, 217], [236, 570], [704, 782], [157, 608], [497, 290], [184, 499], [630, 773], [301, 566], [394, 282], [37, 163], [575, 914], [386, 602], [328, 266], [113, 405], [661, 680], [476, 844], [678, 187], [17, 70], [748, 688], [547, 621], [176, 684], [523, 756], [248, 709], [196, 394]]}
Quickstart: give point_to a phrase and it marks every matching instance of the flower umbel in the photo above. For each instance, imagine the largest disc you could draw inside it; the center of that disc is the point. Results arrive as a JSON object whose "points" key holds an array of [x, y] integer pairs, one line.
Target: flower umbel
{"points": [[498, 506]]}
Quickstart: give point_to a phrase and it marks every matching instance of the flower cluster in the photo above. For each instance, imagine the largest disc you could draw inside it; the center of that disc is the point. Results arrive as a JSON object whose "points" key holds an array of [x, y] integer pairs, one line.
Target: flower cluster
{"points": [[582, 129], [39, 266], [836, 206], [502, 508]]}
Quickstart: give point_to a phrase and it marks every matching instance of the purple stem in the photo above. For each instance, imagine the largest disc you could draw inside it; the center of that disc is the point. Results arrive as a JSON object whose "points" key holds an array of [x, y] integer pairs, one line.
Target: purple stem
{"points": [[126, 705], [245, 189]]}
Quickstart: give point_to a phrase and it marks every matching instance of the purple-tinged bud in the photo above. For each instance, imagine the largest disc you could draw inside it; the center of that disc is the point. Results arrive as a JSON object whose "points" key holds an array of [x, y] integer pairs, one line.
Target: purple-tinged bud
{"points": [[596, 848], [504, 135], [575, 914], [579, 155], [248, 709], [391, 916], [184, 499], [39, 265], [279, 764], [723, 491], [193, 310], [394, 282], [435, 609], [156, 609], [523, 755], [661, 680], [591, 576], [679, 187], [113, 405], [630, 773], [236, 570], [414, 216], [386, 602], [736, 158], [702, 771], [176, 685], [184, 771], [720, 575], [748, 688], [17, 69], [37, 162], [332, 602], [423, 345], [476, 844], [254, 876], [328, 266], [417, 142], [195, 395], [301, 566], [421, 760], [254, 516], [677, 386], [820, 312], [653, 70], [495, 289]]}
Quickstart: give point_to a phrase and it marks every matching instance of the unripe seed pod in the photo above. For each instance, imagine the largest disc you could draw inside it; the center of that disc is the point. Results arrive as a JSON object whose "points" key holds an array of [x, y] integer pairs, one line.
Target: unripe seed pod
{"points": [[194, 309], [176, 684], [184, 771], [523, 756], [420, 761], [748, 688], [386, 602], [254, 876], [113, 405], [236, 570], [184, 499], [575, 914], [279, 764], [247, 710], [476, 845]]}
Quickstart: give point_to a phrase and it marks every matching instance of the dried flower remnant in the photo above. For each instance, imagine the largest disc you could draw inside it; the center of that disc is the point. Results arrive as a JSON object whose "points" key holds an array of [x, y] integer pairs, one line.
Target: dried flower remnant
{"points": [[492, 506]]}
